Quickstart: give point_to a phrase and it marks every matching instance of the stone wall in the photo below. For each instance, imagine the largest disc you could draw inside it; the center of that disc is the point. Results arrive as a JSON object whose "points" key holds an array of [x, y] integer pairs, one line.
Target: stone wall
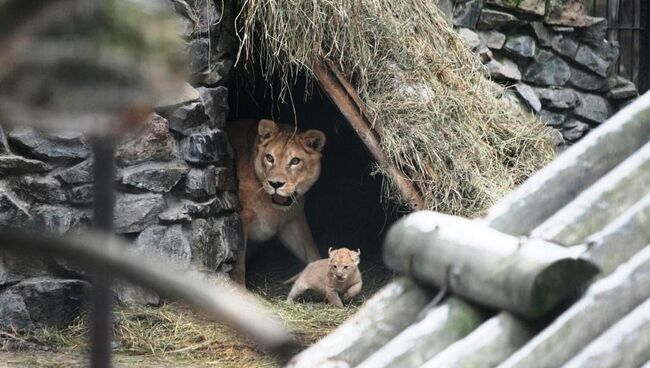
{"points": [[556, 59], [176, 189]]}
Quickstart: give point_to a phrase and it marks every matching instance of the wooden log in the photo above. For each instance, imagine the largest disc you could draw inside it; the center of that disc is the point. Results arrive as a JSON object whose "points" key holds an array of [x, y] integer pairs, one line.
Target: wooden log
{"points": [[526, 277], [621, 239], [440, 327], [487, 346], [597, 206], [381, 318], [577, 168], [624, 345], [605, 302]]}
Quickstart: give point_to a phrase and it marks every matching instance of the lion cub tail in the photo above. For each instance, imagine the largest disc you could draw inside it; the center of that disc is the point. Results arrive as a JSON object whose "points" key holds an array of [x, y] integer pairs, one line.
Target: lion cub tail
{"points": [[292, 279]]}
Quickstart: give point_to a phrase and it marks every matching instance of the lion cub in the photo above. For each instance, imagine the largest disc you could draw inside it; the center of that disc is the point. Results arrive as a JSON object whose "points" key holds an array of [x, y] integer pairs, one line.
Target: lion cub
{"points": [[335, 277]]}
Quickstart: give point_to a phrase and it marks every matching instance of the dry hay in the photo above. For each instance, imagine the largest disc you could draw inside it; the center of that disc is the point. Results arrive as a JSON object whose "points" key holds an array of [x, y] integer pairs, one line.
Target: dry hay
{"points": [[440, 119]]}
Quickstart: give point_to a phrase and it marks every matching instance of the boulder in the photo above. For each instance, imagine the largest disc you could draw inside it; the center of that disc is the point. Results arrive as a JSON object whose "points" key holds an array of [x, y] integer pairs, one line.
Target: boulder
{"points": [[548, 70], [544, 34], [185, 118], [528, 96], [64, 147], [81, 173], [574, 130], [215, 101], [593, 108], [552, 119], [4, 145], [159, 177], [82, 194], [18, 165], [587, 80], [206, 67], [207, 147], [201, 183], [528, 6], [186, 210], [560, 98], [624, 89], [174, 98], [134, 212], [40, 189], [520, 46], [594, 34], [494, 19], [597, 59], [503, 70], [154, 142], [57, 220], [493, 39], [214, 241], [467, 13], [568, 13], [13, 212], [41, 302], [565, 45], [470, 37]]}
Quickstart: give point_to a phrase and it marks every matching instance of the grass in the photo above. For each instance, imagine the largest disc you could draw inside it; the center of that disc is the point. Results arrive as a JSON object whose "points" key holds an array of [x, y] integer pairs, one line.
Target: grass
{"points": [[175, 335]]}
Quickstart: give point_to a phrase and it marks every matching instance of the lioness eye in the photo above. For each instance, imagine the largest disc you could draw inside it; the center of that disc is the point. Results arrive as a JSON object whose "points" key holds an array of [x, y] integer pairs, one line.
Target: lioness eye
{"points": [[269, 158], [295, 161]]}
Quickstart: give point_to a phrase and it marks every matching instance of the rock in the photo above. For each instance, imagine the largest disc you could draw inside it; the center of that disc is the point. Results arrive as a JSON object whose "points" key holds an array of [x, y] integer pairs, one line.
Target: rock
{"points": [[470, 37], [18, 165], [561, 29], [503, 70], [520, 45], [204, 15], [41, 302], [49, 147], [565, 45], [215, 240], [57, 220], [127, 293], [4, 146], [447, 9], [547, 70], [624, 90], [16, 267], [467, 13], [560, 98], [552, 119], [41, 189], [206, 147], [568, 13], [494, 19], [493, 39], [215, 101], [587, 80], [81, 173], [13, 212], [202, 183], [134, 212], [485, 54], [184, 95], [165, 242], [185, 118], [528, 6], [154, 142], [82, 194], [186, 210], [593, 108], [528, 96], [574, 130], [598, 59], [205, 68], [155, 177], [544, 34], [594, 34]]}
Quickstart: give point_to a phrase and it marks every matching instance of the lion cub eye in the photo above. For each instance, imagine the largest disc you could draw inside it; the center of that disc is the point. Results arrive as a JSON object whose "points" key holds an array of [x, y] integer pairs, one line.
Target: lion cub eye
{"points": [[334, 266], [345, 267], [269, 158], [295, 161]]}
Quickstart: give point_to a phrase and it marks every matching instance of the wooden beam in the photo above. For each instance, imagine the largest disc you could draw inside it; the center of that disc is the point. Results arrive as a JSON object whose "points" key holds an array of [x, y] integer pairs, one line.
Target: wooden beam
{"points": [[352, 108]]}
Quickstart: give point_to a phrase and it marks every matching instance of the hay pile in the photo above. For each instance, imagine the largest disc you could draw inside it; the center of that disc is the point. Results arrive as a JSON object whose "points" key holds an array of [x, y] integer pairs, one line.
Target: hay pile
{"points": [[438, 116]]}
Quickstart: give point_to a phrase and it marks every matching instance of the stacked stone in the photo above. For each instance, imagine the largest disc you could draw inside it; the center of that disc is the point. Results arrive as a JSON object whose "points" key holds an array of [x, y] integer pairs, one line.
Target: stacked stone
{"points": [[556, 59], [176, 188]]}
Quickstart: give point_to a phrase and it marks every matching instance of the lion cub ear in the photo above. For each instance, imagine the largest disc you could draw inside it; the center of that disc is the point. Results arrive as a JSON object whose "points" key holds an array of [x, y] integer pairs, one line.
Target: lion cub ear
{"points": [[266, 129], [313, 140], [330, 251], [357, 259]]}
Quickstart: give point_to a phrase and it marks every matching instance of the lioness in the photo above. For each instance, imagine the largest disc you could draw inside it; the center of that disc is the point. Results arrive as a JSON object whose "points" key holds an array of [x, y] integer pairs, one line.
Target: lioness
{"points": [[276, 166], [333, 277]]}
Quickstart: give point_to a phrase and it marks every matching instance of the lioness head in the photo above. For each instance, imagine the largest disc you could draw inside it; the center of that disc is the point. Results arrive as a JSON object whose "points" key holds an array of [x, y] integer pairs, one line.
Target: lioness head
{"points": [[287, 162], [343, 262]]}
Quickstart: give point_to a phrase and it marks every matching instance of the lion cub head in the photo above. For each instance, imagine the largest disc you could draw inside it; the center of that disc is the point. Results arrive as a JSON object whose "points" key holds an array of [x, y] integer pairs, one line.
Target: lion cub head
{"points": [[287, 161], [343, 263]]}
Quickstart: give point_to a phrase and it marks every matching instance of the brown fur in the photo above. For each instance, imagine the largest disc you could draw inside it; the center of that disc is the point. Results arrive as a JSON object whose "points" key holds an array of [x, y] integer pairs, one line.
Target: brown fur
{"points": [[335, 277], [265, 151]]}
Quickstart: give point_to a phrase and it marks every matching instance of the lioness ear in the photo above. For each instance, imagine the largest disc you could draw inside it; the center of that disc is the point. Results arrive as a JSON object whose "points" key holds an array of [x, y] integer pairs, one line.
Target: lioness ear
{"points": [[313, 140], [329, 252], [266, 129]]}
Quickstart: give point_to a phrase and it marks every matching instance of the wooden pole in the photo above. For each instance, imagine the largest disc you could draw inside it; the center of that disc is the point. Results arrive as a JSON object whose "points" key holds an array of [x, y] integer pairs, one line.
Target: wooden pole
{"points": [[352, 109], [526, 277], [381, 318], [606, 302]]}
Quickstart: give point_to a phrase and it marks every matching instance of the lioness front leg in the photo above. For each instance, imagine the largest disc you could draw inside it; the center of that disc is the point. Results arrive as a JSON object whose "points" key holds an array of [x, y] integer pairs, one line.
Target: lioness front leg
{"points": [[296, 236], [352, 291], [333, 297]]}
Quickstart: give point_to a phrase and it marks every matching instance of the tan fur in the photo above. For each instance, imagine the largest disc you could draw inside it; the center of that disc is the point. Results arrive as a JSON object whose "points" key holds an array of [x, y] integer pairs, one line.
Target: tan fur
{"points": [[265, 151], [335, 277]]}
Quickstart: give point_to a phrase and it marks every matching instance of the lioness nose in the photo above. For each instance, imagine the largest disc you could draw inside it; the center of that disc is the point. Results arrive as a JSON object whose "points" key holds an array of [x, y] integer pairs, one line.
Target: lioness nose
{"points": [[276, 184]]}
